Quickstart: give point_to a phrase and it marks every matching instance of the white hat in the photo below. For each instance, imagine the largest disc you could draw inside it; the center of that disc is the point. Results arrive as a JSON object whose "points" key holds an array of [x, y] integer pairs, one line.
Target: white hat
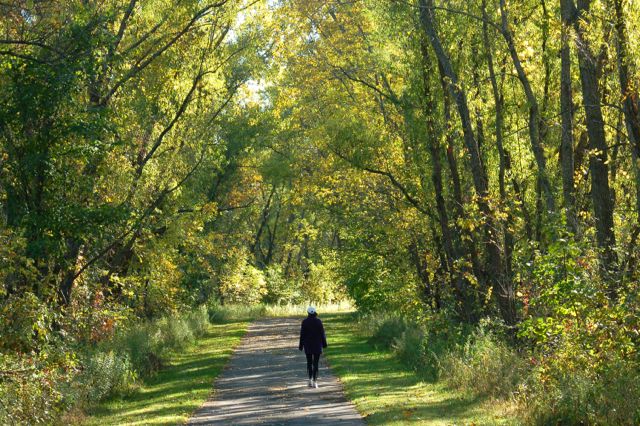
{"points": [[311, 310]]}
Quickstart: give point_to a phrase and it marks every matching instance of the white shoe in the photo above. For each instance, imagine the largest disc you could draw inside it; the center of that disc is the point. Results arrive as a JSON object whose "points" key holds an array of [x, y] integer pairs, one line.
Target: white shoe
{"points": [[315, 384], [310, 383]]}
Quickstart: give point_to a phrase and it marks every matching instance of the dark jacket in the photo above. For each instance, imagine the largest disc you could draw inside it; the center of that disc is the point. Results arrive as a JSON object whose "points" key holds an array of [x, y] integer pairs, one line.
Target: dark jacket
{"points": [[312, 337]]}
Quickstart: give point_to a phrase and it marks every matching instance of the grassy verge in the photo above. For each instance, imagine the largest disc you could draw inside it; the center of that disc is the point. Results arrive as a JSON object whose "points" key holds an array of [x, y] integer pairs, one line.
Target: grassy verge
{"points": [[177, 390], [388, 393]]}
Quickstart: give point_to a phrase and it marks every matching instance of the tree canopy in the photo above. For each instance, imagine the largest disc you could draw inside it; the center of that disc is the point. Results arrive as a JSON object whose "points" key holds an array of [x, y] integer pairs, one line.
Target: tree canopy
{"points": [[443, 159]]}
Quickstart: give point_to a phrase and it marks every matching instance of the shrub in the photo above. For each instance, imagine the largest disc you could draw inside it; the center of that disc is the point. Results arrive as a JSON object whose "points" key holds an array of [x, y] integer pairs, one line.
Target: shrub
{"points": [[105, 374], [299, 310], [25, 323], [142, 346], [585, 347], [279, 288], [324, 283], [31, 391], [566, 392], [41, 388], [418, 345], [385, 330], [409, 348], [241, 282], [198, 321], [173, 333], [484, 365], [147, 344]]}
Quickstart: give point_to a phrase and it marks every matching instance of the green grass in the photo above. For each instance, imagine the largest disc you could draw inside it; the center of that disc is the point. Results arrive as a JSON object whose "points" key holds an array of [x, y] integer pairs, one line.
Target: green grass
{"points": [[386, 392], [178, 389]]}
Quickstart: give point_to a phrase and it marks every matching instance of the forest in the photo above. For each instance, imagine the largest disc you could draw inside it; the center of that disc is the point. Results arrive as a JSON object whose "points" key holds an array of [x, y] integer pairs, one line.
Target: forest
{"points": [[466, 171]]}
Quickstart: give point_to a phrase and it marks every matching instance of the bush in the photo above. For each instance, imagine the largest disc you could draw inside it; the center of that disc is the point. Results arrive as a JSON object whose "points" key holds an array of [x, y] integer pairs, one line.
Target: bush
{"points": [[299, 310], [279, 288], [173, 333], [410, 348], [385, 330], [147, 344], [39, 388], [584, 347], [141, 346], [484, 365], [324, 283], [241, 282], [198, 321], [25, 323], [29, 392], [105, 374], [562, 392], [419, 346]]}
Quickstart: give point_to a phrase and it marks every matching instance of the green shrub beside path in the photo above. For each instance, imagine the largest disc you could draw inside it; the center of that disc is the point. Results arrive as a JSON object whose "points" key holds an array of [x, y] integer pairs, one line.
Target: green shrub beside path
{"points": [[169, 397]]}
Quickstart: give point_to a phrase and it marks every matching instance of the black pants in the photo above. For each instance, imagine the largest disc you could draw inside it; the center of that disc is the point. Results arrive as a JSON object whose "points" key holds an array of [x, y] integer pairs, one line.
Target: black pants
{"points": [[312, 365]]}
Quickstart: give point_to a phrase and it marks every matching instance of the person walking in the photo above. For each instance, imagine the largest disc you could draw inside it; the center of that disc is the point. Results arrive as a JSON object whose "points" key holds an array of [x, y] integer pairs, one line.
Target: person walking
{"points": [[312, 340]]}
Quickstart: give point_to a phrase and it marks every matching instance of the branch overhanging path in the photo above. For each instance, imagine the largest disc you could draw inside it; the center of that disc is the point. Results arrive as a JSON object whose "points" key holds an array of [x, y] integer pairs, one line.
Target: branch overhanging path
{"points": [[265, 384]]}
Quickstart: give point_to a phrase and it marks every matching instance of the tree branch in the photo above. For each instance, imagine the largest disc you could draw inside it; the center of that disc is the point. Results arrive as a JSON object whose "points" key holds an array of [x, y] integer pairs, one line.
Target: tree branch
{"points": [[394, 181]]}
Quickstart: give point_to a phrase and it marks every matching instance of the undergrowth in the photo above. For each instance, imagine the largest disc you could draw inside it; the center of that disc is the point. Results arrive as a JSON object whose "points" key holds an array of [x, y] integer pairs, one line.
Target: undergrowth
{"points": [[47, 384], [561, 386]]}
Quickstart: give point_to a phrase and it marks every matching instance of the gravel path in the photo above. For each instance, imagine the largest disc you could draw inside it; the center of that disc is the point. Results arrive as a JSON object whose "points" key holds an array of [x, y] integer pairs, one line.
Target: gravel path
{"points": [[265, 383]]}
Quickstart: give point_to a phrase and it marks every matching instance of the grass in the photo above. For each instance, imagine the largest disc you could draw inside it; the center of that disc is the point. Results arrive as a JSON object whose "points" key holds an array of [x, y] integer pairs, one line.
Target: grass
{"points": [[177, 390], [386, 392]]}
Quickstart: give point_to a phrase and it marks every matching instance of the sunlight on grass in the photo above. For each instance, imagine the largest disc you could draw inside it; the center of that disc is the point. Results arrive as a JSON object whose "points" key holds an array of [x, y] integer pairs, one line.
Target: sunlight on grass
{"points": [[301, 309], [388, 393], [174, 393]]}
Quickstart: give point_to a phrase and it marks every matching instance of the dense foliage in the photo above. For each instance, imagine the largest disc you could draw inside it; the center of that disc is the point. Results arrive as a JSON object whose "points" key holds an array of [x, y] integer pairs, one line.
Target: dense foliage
{"points": [[452, 162]]}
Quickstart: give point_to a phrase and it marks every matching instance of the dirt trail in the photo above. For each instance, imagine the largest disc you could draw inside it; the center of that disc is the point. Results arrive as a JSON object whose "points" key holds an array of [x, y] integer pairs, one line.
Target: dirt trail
{"points": [[265, 384]]}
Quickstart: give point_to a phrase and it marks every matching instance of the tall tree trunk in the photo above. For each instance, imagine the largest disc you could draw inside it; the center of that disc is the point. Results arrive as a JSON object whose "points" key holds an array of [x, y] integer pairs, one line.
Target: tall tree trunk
{"points": [[600, 191], [494, 260], [422, 271], [273, 234], [504, 161], [66, 284], [631, 111], [462, 288], [535, 120], [566, 112], [257, 246]]}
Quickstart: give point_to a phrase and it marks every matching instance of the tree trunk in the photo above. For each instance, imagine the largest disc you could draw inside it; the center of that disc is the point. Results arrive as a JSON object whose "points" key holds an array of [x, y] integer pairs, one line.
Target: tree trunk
{"points": [[598, 168], [462, 288], [535, 121], [257, 246], [423, 273], [273, 235], [66, 284], [631, 111], [566, 112], [480, 180], [504, 162]]}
